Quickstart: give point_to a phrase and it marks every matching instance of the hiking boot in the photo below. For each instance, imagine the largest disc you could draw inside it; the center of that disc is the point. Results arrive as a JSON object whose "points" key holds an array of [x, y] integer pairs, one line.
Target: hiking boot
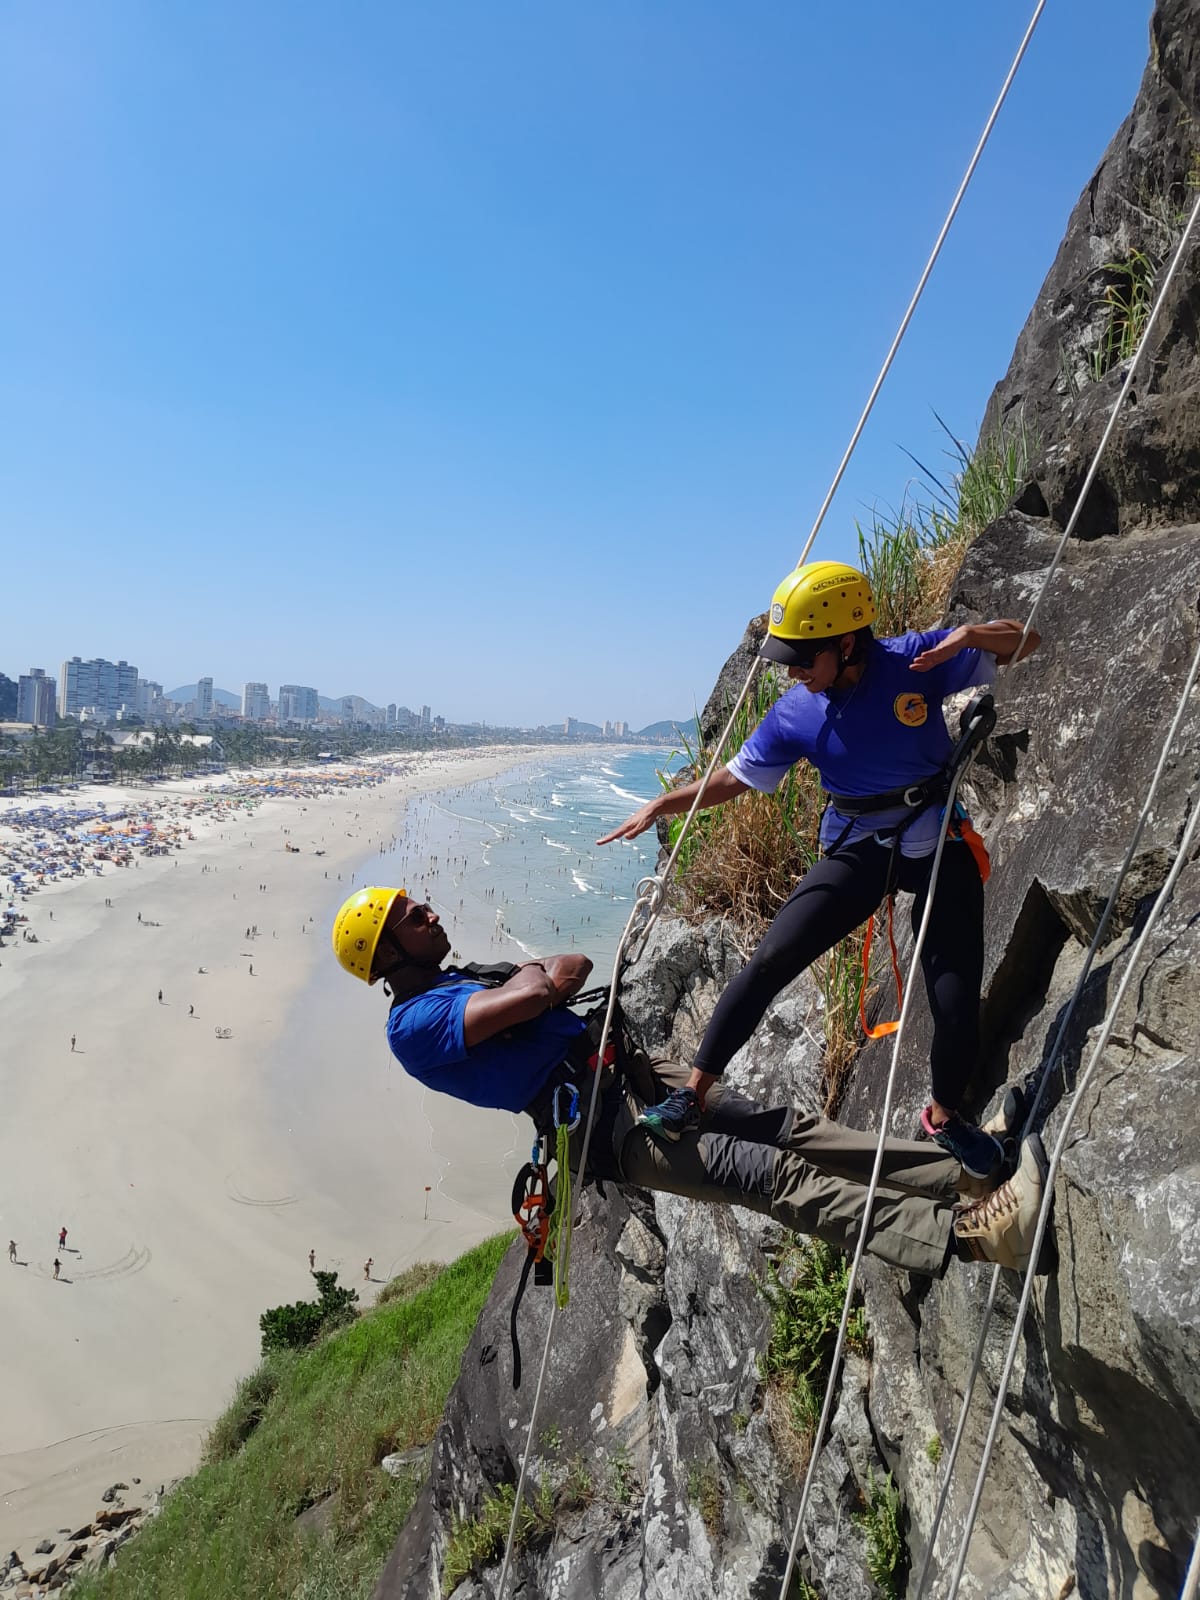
{"points": [[679, 1112], [1008, 1122], [977, 1153], [1001, 1227]]}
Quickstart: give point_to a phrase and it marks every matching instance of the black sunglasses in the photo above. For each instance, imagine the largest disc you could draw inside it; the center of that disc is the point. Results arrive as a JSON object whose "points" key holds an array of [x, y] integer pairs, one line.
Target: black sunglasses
{"points": [[805, 655]]}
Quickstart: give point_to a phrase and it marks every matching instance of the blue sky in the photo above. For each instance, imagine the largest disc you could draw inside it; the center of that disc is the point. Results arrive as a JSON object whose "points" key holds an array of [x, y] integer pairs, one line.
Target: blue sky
{"points": [[496, 357]]}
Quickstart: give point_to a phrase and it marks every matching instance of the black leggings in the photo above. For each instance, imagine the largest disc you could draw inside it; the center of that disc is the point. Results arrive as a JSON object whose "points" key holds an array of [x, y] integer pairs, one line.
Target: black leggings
{"points": [[832, 899]]}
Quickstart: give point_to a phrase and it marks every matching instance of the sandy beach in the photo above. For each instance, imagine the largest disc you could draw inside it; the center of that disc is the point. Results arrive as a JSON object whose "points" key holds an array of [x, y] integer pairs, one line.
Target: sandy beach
{"points": [[198, 1146]]}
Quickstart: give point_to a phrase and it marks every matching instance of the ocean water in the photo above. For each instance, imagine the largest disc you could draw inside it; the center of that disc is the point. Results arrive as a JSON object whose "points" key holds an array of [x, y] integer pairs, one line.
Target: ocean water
{"points": [[516, 856]]}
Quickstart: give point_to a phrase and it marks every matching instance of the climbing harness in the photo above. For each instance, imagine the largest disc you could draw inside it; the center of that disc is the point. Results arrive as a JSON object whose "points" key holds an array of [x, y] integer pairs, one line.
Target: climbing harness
{"points": [[651, 890], [977, 721], [1097, 939]]}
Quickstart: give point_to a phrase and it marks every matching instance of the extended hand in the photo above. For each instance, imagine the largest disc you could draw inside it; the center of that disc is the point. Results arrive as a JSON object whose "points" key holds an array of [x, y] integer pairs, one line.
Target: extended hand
{"points": [[644, 817], [949, 647]]}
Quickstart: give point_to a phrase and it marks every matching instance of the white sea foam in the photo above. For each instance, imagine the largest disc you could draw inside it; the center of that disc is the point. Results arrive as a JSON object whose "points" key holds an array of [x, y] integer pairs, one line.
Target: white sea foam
{"points": [[556, 799], [640, 799], [581, 883]]}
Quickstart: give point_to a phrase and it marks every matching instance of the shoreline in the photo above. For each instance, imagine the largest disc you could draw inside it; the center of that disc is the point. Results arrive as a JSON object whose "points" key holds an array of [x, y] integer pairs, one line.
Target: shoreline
{"points": [[180, 1161]]}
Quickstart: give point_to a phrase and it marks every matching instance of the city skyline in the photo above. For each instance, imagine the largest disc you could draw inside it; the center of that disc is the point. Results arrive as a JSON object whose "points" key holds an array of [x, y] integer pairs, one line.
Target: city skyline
{"points": [[100, 690]]}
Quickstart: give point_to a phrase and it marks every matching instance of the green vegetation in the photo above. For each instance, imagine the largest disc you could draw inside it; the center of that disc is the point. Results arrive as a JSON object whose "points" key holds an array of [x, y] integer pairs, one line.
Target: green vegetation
{"points": [[623, 1485], [805, 1288], [302, 1323], [707, 1494], [934, 1449], [886, 1555], [741, 861], [309, 1426], [475, 1542], [1127, 300]]}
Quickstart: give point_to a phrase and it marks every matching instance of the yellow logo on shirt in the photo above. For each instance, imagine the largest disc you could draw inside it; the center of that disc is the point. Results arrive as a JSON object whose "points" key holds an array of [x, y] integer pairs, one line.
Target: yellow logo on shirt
{"points": [[911, 709]]}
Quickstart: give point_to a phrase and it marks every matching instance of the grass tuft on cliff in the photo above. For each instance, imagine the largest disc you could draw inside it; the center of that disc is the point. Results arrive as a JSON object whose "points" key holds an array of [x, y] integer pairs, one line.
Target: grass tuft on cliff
{"points": [[306, 1427], [742, 860]]}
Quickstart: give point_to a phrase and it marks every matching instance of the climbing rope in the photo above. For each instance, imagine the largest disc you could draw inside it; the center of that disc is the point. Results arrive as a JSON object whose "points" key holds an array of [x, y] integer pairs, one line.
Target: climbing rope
{"points": [[1046, 1072], [1143, 344], [872, 1187], [1192, 1582], [1110, 1020], [924, 279], [646, 901], [652, 890], [1102, 926]]}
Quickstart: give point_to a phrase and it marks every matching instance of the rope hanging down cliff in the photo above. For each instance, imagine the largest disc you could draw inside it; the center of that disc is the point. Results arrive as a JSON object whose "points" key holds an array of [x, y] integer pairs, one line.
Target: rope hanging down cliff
{"points": [[1048, 1194], [651, 890], [1097, 939]]}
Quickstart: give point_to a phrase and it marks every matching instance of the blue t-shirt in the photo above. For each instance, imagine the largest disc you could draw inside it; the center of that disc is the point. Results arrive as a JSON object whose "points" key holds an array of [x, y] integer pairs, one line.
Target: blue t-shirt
{"points": [[884, 733], [505, 1072]]}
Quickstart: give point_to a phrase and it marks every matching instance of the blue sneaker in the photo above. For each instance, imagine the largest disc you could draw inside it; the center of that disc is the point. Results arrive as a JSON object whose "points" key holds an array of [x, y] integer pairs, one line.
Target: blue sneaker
{"points": [[678, 1113], [977, 1153]]}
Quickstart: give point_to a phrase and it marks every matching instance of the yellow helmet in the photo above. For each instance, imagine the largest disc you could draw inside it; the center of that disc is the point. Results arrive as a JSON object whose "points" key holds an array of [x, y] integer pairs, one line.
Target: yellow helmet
{"points": [[357, 927], [820, 600]]}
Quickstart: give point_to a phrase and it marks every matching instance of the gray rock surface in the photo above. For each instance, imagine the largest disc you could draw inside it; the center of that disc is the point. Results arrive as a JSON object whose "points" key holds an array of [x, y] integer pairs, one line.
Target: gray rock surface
{"points": [[655, 1395]]}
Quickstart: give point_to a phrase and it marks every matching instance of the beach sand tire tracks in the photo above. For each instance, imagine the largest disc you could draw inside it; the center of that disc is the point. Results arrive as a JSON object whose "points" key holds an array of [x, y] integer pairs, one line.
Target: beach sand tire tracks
{"points": [[136, 1259], [243, 1199]]}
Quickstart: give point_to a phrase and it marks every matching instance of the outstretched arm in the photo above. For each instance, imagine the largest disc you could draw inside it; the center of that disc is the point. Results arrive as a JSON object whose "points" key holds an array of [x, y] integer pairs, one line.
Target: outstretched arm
{"points": [[722, 786], [534, 988], [999, 639]]}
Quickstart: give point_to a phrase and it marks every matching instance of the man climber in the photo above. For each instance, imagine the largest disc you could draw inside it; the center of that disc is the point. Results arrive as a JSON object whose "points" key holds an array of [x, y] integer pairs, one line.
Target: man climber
{"points": [[504, 1038], [866, 712]]}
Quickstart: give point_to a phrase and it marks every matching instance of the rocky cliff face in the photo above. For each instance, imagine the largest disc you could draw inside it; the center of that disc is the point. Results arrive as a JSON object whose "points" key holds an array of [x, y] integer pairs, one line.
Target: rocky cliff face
{"points": [[655, 1436]]}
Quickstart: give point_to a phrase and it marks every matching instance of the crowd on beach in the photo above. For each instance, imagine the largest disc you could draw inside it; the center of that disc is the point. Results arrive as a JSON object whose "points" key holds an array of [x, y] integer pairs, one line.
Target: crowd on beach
{"points": [[68, 838]]}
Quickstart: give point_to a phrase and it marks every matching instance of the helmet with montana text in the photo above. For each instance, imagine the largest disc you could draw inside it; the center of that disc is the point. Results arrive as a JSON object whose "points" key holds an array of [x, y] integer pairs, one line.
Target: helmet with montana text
{"points": [[357, 927], [821, 600]]}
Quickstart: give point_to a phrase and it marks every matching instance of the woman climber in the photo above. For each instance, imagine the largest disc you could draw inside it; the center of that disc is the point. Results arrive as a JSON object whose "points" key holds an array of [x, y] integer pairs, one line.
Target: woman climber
{"points": [[866, 712]]}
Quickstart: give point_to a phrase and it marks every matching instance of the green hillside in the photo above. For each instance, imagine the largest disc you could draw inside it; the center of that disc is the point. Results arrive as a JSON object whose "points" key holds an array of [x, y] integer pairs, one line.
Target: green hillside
{"points": [[307, 1428]]}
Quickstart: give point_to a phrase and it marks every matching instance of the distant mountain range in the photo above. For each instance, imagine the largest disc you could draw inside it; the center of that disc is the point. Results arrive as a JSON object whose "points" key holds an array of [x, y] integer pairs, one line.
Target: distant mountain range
{"points": [[670, 730]]}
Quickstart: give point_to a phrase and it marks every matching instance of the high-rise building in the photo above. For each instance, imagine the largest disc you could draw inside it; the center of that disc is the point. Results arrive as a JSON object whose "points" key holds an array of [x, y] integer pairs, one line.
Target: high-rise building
{"points": [[204, 697], [8, 698], [104, 686], [256, 702], [391, 714], [35, 698], [426, 719], [148, 700], [297, 703]]}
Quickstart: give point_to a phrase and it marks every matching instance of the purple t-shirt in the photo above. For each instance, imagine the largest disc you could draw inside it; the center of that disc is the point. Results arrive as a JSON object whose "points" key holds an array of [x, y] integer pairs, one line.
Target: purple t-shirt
{"points": [[884, 733]]}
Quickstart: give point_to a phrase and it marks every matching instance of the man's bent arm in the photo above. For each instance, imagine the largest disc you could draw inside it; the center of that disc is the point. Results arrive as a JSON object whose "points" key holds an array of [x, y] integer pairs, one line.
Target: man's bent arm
{"points": [[533, 989]]}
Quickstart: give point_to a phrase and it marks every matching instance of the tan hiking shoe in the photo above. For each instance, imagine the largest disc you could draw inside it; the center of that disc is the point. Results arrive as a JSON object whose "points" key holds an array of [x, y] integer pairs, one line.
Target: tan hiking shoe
{"points": [[1008, 1121], [1001, 1227]]}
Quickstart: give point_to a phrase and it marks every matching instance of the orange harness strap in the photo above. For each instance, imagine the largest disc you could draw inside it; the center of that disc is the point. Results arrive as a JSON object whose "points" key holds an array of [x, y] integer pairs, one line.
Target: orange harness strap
{"points": [[962, 828], [881, 1029]]}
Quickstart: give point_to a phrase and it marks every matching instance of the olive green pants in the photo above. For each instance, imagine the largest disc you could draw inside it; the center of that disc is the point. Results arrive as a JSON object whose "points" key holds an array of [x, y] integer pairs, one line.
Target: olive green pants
{"points": [[807, 1173]]}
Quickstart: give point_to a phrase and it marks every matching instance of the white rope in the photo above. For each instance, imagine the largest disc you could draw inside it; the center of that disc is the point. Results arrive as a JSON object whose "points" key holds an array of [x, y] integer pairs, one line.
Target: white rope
{"points": [[1046, 1073], [872, 1187], [1102, 926], [1110, 1020], [646, 900], [652, 890], [1192, 1581], [1143, 343], [924, 279]]}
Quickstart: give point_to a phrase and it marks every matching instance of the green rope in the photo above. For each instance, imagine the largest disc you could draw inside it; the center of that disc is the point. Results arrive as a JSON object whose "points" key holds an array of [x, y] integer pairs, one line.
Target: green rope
{"points": [[560, 1221]]}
